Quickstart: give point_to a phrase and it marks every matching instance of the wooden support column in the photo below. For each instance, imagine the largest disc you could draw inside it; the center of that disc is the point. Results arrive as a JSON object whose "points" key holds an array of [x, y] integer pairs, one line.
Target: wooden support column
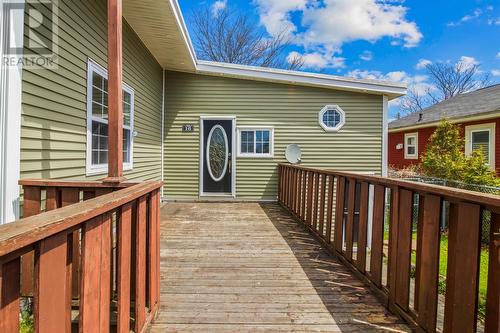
{"points": [[115, 110]]}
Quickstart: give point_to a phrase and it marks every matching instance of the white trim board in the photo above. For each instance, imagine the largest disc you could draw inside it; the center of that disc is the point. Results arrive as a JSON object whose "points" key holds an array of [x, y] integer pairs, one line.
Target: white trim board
{"points": [[10, 116], [255, 128], [392, 90], [491, 128], [91, 170], [233, 160], [385, 135], [405, 146]]}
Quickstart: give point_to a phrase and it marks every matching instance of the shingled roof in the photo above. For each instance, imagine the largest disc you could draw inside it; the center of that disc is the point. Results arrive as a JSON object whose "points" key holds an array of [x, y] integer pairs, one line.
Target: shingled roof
{"points": [[481, 101]]}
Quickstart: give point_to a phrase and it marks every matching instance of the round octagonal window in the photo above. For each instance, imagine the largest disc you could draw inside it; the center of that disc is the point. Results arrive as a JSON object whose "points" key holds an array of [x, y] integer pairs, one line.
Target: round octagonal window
{"points": [[331, 118], [217, 153]]}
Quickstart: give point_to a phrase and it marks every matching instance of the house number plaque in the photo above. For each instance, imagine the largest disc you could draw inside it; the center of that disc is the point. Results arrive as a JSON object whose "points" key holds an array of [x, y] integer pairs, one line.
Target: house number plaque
{"points": [[188, 128]]}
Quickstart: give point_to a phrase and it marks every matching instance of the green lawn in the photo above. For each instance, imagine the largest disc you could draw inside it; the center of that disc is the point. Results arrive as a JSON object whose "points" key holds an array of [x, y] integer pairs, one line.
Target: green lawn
{"points": [[483, 270]]}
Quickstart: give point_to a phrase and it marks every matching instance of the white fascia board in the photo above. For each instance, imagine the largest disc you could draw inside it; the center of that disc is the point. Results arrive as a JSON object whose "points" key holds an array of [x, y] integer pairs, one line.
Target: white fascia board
{"points": [[183, 30], [392, 90]]}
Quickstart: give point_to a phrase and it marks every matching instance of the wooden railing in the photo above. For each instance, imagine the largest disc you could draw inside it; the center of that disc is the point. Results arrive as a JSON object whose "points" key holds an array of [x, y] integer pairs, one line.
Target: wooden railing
{"points": [[367, 222], [86, 253]]}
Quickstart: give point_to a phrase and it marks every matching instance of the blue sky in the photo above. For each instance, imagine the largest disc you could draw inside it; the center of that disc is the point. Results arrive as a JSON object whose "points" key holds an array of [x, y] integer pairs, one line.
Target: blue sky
{"points": [[389, 39]]}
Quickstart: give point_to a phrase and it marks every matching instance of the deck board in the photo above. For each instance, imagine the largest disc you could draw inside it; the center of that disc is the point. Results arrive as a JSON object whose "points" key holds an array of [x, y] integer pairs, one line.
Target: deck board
{"points": [[249, 267]]}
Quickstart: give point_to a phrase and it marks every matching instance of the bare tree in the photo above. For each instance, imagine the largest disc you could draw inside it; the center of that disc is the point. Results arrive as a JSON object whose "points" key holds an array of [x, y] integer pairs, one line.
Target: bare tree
{"points": [[449, 80], [230, 37]]}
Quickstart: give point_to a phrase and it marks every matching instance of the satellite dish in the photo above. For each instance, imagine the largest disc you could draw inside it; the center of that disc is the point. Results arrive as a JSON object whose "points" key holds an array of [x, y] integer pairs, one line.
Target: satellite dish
{"points": [[293, 154]]}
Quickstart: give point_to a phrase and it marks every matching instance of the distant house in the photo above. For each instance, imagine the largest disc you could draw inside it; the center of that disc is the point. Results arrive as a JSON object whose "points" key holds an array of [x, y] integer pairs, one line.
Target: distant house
{"points": [[477, 113]]}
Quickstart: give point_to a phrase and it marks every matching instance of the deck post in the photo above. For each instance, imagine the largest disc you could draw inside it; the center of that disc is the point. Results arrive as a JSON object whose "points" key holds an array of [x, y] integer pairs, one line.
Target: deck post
{"points": [[115, 109]]}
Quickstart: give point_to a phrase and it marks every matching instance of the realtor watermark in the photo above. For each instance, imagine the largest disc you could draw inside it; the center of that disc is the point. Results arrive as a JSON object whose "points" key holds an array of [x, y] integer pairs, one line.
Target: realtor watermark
{"points": [[31, 39]]}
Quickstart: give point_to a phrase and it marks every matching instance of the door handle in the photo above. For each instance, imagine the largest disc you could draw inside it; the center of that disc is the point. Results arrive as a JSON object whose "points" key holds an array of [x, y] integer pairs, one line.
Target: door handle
{"points": [[229, 160]]}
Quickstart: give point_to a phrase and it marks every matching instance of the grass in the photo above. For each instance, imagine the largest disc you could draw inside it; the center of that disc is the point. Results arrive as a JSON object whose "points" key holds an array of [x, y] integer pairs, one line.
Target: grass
{"points": [[26, 324], [443, 261]]}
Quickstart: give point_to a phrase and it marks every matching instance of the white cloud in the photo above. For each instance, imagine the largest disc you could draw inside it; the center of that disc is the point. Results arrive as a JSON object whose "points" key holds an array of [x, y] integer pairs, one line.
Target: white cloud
{"points": [[469, 17], [327, 24], [366, 56], [318, 61], [494, 21], [468, 61], [498, 55], [418, 83], [422, 63], [218, 6], [495, 72]]}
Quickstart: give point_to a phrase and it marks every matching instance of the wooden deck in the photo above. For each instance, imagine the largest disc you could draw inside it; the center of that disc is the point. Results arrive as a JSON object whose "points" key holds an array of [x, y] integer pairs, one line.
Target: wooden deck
{"points": [[248, 267]]}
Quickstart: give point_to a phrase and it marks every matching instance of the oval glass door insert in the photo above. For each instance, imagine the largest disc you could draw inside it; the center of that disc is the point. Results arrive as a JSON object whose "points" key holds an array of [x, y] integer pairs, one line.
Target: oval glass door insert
{"points": [[217, 153]]}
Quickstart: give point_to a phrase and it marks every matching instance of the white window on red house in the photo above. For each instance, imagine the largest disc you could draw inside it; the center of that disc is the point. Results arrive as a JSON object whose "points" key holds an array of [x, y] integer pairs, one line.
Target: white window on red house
{"points": [[411, 146], [481, 138]]}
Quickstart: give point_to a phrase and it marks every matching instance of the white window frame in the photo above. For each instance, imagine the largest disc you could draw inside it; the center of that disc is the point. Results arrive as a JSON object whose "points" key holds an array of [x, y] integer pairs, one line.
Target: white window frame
{"points": [[254, 129], [490, 127], [331, 108], [94, 67], [411, 156]]}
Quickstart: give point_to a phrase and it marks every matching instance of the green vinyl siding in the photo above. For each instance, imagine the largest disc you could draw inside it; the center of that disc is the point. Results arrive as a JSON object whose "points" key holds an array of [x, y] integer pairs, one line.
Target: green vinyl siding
{"points": [[54, 115], [292, 110]]}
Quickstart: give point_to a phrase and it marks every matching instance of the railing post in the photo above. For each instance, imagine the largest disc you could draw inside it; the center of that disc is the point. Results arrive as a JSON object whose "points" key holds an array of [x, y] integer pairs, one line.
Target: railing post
{"points": [[31, 206], [492, 323], [52, 306], [460, 311], [426, 281], [400, 247], [377, 235], [339, 214], [362, 227], [329, 209], [124, 231], [140, 263], [9, 295], [349, 228], [316, 202]]}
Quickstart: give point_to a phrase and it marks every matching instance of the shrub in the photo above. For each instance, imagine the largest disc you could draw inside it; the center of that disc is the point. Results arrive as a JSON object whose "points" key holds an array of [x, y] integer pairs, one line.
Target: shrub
{"points": [[445, 158]]}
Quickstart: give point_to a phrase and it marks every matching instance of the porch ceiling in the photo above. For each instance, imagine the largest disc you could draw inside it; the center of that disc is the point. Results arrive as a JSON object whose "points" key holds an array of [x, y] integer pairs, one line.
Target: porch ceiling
{"points": [[161, 32]]}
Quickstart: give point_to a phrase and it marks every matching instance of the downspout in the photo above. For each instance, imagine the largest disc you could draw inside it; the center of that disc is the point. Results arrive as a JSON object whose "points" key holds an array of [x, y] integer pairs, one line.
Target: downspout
{"points": [[385, 134], [163, 134]]}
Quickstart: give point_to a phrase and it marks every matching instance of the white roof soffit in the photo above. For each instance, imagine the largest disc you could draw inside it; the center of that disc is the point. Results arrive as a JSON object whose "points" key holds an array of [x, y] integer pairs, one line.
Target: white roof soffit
{"points": [[160, 26], [165, 34]]}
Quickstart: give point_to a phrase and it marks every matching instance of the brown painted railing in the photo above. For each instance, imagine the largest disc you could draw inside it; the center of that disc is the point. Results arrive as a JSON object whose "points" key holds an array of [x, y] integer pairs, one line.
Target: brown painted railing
{"points": [[348, 213], [89, 260]]}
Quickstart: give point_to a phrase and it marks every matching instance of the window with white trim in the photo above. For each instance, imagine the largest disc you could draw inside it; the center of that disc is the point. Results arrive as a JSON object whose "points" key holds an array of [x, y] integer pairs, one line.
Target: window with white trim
{"points": [[331, 118], [97, 121], [482, 138], [411, 146], [255, 142]]}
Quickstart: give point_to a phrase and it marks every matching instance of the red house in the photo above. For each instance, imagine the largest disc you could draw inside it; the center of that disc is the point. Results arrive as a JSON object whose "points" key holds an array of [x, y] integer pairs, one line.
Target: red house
{"points": [[477, 113]]}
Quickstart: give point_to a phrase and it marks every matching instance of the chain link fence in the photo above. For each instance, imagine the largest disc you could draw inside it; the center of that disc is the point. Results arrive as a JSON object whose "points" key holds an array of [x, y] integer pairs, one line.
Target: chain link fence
{"points": [[486, 215]]}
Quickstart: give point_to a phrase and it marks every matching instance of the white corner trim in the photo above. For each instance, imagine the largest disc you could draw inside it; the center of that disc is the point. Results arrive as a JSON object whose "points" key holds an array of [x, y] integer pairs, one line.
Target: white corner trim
{"points": [[385, 134], [162, 192], [491, 128], [331, 108], [255, 128], [10, 116], [405, 146]]}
